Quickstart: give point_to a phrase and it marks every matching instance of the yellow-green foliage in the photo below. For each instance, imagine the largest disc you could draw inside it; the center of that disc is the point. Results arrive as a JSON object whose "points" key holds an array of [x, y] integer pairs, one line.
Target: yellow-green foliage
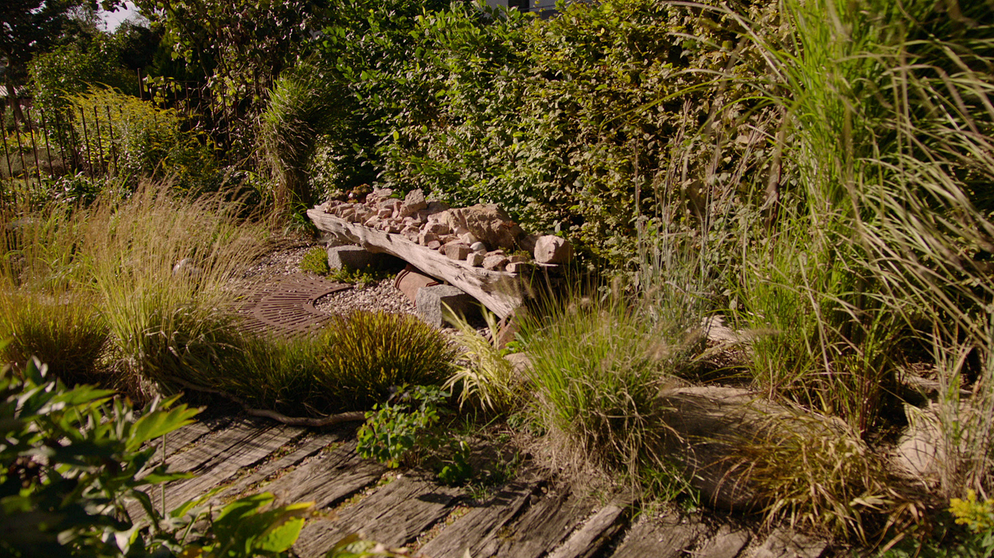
{"points": [[141, 141], [977, 515], [315, 261], [486, 377]]}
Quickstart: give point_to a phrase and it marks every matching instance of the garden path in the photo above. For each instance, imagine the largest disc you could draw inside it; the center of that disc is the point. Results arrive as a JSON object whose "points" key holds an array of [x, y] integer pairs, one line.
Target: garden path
{"points": [[533, 515]]}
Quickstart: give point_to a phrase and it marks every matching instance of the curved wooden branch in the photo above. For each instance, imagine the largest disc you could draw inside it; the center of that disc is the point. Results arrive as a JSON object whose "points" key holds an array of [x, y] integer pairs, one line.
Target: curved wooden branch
{"points": [[314, 422]]}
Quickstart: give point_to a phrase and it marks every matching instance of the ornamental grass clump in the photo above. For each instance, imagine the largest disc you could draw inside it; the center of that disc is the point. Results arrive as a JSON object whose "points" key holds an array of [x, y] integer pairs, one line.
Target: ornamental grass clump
{"points": [[279, 373], [64, 330], [483, 376], [366, 355], [161, 264], [816, 473], [597, 382]]}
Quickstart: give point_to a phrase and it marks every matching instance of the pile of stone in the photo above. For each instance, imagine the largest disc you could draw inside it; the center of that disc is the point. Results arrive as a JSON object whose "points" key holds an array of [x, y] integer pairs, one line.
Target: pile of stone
{"points": [[481, 235]]}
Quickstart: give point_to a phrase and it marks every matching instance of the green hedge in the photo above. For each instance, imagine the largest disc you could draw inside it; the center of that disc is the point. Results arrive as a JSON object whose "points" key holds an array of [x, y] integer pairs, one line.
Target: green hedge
{"points": [[579, 124]]}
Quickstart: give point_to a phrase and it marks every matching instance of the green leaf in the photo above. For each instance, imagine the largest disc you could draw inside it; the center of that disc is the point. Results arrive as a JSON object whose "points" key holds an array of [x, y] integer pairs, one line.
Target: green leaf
{"points": [[281, 537], [158, 423]]}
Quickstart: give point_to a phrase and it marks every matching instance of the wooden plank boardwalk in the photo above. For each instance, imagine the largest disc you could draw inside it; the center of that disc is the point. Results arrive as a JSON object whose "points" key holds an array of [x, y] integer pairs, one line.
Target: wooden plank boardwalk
{"points": [[531, 516]]}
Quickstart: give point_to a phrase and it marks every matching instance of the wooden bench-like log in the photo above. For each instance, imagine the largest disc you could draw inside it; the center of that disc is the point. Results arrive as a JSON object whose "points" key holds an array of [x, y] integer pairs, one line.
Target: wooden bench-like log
{"points": [[500, 291]]}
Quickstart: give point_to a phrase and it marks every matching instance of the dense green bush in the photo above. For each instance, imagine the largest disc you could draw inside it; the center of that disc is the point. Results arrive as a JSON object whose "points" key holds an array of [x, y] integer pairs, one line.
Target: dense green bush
{"points": [[579, 124], [73, 502], [73, 69]]}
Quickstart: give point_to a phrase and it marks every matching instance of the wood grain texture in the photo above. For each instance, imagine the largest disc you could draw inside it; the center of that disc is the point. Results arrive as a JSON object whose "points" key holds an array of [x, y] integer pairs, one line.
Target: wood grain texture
{"points": [[394, 515], [549, 519], [593, 534], [327, 478], [668, 536], [472, 531]]}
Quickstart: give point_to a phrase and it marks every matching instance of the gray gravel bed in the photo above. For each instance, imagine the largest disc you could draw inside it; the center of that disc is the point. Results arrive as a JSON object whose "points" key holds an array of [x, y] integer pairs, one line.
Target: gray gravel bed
{"points": [[378, 296]]}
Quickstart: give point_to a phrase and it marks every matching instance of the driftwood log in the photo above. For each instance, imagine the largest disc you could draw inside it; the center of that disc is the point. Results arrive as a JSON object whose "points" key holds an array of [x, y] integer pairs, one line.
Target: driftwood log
{"points": [[500, 291]]}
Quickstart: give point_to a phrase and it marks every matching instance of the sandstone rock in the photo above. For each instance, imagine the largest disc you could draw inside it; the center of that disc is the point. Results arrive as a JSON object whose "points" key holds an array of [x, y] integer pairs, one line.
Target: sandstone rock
{"points": [[362, 213], [456, 250], [414, 202], [487, 223], [527, 242], [434, 245], [551, 249], [378, 195], [354, 257], [424, 237], [495, 262], [373, 222], [384, 213], [435, 303], [476, 259], [517, 258], [390, 204], [521, 363], [437, 228], [478, 247]]}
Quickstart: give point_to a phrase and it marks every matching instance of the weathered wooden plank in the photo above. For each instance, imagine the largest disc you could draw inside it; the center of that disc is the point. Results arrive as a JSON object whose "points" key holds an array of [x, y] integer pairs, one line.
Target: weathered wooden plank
{"points": [[327, 478], [393, 515], [307, 448], [209, 448], [726, 543], [668, 536], [499, 291], [542, 527], [471, 531], [227, 464], [594, 534], [786, 543]]}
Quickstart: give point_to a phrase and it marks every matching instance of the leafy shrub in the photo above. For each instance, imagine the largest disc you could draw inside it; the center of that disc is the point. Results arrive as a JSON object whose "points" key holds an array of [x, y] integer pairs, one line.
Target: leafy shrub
{"points": [[73, 500], [394, 428], [72, 69], [580, 124], [368, 354], [97, 457]]}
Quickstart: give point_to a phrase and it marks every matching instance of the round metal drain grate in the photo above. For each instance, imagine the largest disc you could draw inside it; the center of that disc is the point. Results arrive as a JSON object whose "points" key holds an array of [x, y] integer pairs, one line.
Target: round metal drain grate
{"points": [[288, 306]]}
